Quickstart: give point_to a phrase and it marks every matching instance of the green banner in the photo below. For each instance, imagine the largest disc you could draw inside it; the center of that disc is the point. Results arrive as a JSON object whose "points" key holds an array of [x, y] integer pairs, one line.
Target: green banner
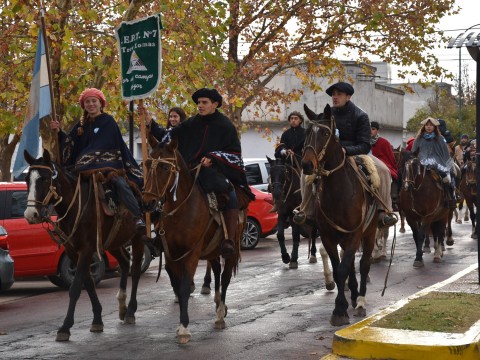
{"points": [[140, 56]]}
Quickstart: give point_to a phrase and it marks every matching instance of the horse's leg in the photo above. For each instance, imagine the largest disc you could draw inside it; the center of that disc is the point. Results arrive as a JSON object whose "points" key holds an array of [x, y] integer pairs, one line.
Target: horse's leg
{"points": [[418, 236], [312, 259], [137, 255], [183, 334], [329, 282], [124, 264], [296, 243], [207, 280], [438, 230], [97, 323], [281, 239], [368, 241], [380, 247], [353, 283], [466, 215], [83, 267], [471, 209], [340, 273], [402, 221], [450, 241], [222, 280]]}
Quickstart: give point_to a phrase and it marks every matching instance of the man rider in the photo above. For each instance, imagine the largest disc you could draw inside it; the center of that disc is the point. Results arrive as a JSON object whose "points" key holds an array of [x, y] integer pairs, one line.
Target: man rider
{"points": [[354, 132]]}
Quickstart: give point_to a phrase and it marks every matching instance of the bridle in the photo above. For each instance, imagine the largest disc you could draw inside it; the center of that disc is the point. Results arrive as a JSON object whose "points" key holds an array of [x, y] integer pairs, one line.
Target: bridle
{"points": [[319, 162], [52, 191]]}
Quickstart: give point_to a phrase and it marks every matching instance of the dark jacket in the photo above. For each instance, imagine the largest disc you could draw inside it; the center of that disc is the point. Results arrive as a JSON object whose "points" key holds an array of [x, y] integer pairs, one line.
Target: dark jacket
{"points": [[354, 127], [292, 139], [99, 147]]}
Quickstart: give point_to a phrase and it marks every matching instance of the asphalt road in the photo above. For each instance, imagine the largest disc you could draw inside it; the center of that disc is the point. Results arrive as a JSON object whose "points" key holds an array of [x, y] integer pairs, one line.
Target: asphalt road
{"points": [[273, 312]]}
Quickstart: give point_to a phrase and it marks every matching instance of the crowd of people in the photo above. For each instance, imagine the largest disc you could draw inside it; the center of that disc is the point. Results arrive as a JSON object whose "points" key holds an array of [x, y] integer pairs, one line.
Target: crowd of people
{"points": [[210, 139]]}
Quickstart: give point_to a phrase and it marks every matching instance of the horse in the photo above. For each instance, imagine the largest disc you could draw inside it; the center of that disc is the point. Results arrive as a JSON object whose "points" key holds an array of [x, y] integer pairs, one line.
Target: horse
{"points": [[285, 188], [79, 228], [345, 211], [468, 187], [171, 188], [422, 199]]}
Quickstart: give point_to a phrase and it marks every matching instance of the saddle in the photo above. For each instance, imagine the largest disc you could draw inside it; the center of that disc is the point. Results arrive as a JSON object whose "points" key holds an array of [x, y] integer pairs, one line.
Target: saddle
{"points": [[367, 167]]}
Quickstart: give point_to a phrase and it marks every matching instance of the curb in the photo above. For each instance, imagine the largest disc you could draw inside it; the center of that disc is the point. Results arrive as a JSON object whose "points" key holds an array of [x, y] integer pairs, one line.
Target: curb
{"points": [[362, 341]]}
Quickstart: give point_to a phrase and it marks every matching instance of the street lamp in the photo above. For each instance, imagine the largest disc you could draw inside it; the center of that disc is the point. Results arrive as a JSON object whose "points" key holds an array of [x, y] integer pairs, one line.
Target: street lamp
{"points": [[471, 40]]}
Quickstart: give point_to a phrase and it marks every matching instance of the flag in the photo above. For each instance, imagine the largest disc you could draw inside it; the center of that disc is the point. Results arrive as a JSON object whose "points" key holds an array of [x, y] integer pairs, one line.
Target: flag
{"points": [[39, 106]]}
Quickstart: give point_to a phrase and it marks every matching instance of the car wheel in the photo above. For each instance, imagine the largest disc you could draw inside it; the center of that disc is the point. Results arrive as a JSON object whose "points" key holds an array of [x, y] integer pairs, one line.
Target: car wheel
{"points": [[67, 271], [251, 235], [147, 257]]}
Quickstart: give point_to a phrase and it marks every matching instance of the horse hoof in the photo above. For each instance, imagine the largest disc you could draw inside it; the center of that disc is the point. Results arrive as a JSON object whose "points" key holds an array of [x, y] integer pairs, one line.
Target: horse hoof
{"points": [[437, 259], [285, 258], [418, 264], [121, 313], [459, 221], [473, 236], [220, 324], [375, 260], [360, 312], [402, 230], [96, 328], [293, 265], [129, 320], [443, 247], [450, 242], [205, 290], [427, 250], [330, 286], [313, 259], [61, 336], [336, 320], [183, 339]]}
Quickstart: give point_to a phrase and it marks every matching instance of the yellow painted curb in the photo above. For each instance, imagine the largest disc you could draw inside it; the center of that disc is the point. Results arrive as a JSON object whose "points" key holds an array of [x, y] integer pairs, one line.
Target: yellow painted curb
{"points": [[363, 341]]}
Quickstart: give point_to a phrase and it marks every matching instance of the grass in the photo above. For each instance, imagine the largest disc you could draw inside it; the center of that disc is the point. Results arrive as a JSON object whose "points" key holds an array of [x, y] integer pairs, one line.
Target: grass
{"points": [[437, 311]]}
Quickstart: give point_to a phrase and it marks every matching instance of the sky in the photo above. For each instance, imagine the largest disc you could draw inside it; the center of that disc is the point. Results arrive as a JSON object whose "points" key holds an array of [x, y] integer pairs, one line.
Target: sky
{"points": [[453, 26]]}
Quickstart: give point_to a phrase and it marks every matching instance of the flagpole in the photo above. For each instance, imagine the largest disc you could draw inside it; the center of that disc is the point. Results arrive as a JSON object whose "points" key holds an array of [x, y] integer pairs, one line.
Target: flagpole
{"points": [[50, 80]]}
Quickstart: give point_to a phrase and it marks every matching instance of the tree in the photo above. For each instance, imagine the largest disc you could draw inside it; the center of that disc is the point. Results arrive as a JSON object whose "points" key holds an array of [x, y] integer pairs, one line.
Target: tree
{"points": [[238, 46]]}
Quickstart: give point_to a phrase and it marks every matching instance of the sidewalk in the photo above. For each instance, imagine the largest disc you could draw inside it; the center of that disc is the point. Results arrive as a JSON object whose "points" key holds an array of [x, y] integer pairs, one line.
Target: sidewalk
{"points": [[364, 341]]}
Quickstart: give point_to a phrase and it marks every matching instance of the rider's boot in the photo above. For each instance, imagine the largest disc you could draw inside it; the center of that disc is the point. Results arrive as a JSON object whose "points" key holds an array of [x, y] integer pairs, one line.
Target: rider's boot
{"points": [[385, 219], [227, 247]]}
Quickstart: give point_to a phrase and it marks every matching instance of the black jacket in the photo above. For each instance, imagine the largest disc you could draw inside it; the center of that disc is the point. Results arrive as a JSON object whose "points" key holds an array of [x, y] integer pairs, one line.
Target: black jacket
{"points": [[354, 127], [292, 139]]}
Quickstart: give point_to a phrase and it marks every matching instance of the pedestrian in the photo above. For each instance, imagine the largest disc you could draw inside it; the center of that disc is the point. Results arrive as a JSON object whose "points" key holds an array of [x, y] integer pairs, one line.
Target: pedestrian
{"points": [[354, 130], [95, 144], [209, 138], [432, 150]]}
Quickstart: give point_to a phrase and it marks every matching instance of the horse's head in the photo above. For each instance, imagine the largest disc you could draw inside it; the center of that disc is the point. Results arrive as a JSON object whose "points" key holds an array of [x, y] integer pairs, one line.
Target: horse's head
{"points": [[278, 177], [162, 172], [41, 192], [318, 137]]}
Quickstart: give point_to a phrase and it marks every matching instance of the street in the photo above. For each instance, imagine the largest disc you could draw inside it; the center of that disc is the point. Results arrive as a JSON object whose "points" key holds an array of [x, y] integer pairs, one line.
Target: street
{"points": [[273, 312]]}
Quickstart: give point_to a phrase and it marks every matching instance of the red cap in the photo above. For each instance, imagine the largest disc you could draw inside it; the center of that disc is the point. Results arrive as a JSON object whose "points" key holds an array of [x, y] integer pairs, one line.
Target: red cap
{"points": [[92, 92]]}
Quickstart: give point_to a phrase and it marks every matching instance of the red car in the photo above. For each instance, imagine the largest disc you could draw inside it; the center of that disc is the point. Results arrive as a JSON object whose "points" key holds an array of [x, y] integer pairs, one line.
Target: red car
{"points": [[260, 221], [34, 252]]}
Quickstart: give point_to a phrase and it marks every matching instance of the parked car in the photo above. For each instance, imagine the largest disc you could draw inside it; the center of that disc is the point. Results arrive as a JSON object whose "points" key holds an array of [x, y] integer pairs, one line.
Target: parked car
{"points": [[260, 221], [6, 262], [258, 171], [31, 247]]}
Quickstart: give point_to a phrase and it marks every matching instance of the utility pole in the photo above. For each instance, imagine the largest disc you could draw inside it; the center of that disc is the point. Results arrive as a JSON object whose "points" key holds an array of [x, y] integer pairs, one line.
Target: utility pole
{"points": [[460, 93]]}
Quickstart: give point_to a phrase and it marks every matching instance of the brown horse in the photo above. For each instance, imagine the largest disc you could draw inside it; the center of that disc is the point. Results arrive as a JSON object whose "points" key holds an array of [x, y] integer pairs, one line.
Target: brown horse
{"points": [[468, 187], [422, 199], [78, 231], [345, 212], [189, 231]]}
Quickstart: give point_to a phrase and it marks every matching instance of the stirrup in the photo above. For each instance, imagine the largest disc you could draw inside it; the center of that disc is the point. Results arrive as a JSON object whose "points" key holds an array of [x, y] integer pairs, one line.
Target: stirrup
{"points": [[387, 221]]}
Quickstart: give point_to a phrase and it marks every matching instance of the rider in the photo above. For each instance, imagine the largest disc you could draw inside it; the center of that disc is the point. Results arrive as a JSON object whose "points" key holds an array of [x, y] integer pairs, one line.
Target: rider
{"points": [[460, 148], [354, 132], [432, 150], [209, 138], [291, 142], [95, 144], [382, 149]]}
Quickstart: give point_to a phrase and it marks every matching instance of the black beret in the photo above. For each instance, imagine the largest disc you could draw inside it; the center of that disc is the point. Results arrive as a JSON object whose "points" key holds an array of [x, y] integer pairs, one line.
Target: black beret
{"points": [[375, 124], [212, 94], [341, 86]]}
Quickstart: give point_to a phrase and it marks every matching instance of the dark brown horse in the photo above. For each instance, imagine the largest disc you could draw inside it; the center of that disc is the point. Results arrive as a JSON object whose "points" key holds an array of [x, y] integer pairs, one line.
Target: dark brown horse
{"points": [[285, 187], [422, 199], [189, 231], [468, 187], [77, 230], [345, 212]]}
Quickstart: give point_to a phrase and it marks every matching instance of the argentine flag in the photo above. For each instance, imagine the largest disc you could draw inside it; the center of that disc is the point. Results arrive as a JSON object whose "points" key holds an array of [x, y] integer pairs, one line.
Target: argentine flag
{"points": [[39, 106]]}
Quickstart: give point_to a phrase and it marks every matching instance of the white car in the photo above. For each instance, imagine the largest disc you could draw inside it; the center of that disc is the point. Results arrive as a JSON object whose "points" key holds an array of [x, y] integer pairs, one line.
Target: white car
{"points": [[258, 171]]}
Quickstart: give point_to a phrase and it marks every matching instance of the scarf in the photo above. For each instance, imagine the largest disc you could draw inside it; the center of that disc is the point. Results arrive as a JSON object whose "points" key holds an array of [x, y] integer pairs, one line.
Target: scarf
{"points": [[373, 140], [427, 136]]}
